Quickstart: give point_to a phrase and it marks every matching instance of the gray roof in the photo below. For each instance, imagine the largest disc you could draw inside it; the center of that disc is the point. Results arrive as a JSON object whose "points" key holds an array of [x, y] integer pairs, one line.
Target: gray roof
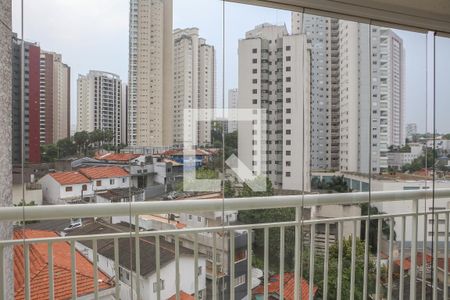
{"points": [[127, 259]]}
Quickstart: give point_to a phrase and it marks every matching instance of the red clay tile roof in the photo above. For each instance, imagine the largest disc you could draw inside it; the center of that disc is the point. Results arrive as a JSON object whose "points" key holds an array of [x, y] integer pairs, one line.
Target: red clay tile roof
{"points": [[289, 282], [183, 296], [117, 156], [39, 277], [103, 172], [419, 260], [65, 178]]}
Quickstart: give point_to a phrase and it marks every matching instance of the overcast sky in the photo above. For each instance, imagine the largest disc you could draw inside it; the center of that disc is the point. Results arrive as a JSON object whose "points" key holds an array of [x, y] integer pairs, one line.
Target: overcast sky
{"points": [[93, 35]]}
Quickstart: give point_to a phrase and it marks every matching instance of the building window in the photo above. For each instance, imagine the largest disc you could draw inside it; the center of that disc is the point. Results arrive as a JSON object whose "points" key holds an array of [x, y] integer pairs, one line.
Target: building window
{"points": [[161, 286], [288, 163], [84, 187], [288, 153], [199, 219], [240, 280], [288, 100], [288, 174], [288, 131], [68, 189], [98, 183], [190, 217], [255, 101], [288, 90], [255, 80], [288, 110], [254, 50], [288, 121], [288, 79], [240, 255], [255, 91], [288, 58], [288, 69], [288, 48], [199, 271], [288, 142], [124, 180], [255, 61], [255, 71], [111, 181]]}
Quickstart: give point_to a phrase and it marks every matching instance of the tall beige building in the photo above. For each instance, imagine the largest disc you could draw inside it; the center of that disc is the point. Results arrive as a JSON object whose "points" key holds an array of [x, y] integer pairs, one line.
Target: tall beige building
{"points": [[54, 98], [194, 81], [150, 73], [274, 75]]}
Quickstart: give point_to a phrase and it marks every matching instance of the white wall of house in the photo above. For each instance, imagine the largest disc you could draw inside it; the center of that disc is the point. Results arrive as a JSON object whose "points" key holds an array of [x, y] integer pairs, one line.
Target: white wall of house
{"points": [[111, 183], [167, 273], [53, 192], [34, 195]]}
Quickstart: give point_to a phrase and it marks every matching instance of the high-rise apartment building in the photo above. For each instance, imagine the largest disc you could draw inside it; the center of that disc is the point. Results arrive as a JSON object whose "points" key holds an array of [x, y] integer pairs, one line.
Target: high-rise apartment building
{"points": [[99, 96], [274, 75], [194, 81], [323, 37], [54, 98], [150, 73], [124, 115], [371, 96], [411, 130], [233, 96], [31, 122]]}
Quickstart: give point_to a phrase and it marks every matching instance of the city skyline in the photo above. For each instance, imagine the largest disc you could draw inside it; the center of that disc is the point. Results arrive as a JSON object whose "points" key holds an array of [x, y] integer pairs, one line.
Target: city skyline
{"points": [[112, 34]]}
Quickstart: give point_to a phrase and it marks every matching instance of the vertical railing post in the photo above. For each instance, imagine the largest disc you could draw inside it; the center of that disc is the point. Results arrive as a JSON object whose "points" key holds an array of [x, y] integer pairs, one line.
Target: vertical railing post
{"points": [[138, 258], [413, 274]]}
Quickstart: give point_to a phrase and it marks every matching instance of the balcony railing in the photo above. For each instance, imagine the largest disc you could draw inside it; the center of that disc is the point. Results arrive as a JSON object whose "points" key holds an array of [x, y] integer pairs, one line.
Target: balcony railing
{"points": [[322, 233]]}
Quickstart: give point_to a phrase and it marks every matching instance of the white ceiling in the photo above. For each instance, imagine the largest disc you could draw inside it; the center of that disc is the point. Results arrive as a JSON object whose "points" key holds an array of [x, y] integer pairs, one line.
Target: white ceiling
{"points": [[421, 15]]}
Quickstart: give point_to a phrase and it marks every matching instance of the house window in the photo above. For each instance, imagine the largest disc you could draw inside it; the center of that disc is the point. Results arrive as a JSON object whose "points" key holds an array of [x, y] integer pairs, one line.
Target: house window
{"points": [[124, 180], [84, 187], [199, 219], [98, 183], [240, 280], [161, 286], [111, 181], [240, 255], [190, 217], [199, 271], [68, 189]]}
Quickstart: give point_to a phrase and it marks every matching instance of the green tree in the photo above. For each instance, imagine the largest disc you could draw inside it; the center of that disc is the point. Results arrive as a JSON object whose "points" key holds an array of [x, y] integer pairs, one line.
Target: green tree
{"points": [[66, 147], [96, 137], [81, 139], [49, 153], [108, 136], [228, 190]]}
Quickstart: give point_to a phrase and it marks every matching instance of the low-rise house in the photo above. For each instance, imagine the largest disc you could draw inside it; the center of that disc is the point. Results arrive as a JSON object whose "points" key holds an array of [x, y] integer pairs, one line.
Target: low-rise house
{"points": [[82, 185], [147, 277], [154, 174], [66, 187], [130, 194], [39, 271], [397, 159]]}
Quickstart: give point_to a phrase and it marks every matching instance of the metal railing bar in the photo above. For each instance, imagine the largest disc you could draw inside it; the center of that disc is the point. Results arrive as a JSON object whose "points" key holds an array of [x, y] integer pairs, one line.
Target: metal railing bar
{"points": [[353, 263], [26, 248], [340, 262], [51, 277], [402, 258], [73, 270], [214, 267], [137, 252], [391, 257], [282, 252], [415, 220], [446, 255], [424, 258], [435, 258], [176, 232], [95, 262], [232, 266], [378, 263], [366, 259], [266, 263], [326, 258], [2, 273], [158, 266], [177, 266], [177, 206], [312, 251], [249, 264], [116, 269]]}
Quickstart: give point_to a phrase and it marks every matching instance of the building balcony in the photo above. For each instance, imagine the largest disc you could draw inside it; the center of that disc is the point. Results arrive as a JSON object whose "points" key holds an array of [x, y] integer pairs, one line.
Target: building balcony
{"points": [[399, 264]]}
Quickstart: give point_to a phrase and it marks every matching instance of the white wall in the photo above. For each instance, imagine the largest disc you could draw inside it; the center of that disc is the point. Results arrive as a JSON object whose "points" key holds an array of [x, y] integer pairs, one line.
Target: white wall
{"points": [[119, 182], [167, 273]]}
